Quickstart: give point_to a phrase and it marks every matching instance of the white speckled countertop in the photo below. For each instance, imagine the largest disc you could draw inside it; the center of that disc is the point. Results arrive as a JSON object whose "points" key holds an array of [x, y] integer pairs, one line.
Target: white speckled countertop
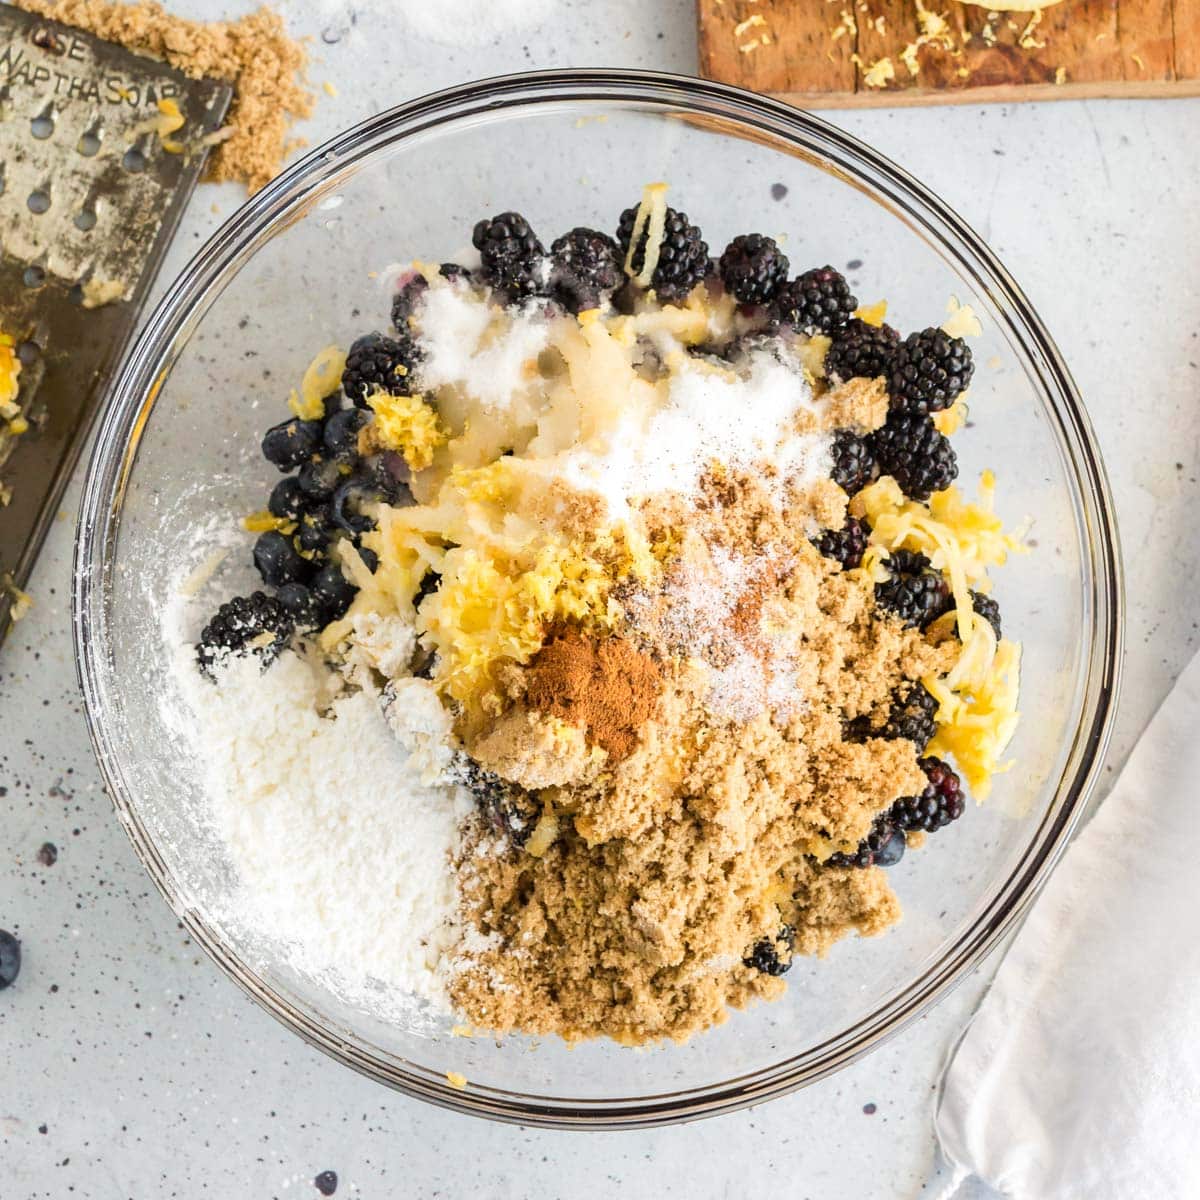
{"points": [[131, 1068]]}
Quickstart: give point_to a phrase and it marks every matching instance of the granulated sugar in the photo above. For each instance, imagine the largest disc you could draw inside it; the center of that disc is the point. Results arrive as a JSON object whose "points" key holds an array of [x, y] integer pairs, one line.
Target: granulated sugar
{"points": [[467, 347], [743, 420], [337, 820]]}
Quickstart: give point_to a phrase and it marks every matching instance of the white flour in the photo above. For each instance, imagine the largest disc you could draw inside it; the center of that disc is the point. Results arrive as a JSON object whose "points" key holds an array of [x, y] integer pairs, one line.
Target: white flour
{"points": [[337, 820]]}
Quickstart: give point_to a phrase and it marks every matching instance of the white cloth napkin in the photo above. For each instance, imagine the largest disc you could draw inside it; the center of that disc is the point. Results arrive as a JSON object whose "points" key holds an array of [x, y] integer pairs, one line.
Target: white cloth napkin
{"points": [[1080, 1074]]}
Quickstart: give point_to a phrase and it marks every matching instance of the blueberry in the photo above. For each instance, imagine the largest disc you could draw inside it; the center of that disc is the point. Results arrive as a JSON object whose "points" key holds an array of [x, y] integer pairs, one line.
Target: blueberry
{"points": [[10, 959], [453, 270], [892, 851], [291, 443], [333, 590], [429, 584], [388, 478], [316, 531], [369, 557], [344, 507], [278, 561], [287, 499], [305, 608], [318, 479], [341, 432], [326, 1183]]}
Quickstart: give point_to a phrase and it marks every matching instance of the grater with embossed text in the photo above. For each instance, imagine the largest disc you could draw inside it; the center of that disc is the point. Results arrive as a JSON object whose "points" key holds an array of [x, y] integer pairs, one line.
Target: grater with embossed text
{"points": [[93, 182]]}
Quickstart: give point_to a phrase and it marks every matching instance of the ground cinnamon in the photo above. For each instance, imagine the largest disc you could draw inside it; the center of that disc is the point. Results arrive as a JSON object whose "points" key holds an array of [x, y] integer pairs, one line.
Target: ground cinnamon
{"points": [[605, 685]]}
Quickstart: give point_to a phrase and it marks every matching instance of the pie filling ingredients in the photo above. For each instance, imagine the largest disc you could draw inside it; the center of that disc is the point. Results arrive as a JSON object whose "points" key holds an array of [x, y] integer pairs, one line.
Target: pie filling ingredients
{"points": [[656, 569]]}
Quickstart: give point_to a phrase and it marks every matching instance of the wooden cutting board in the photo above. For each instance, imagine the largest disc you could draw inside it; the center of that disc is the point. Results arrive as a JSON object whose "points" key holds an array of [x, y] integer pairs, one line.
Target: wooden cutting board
{"points": [[1077, 48]]}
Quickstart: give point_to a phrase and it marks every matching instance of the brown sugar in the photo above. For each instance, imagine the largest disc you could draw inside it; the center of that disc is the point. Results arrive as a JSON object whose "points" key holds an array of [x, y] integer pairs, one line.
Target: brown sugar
{"points": [[707, 835], [605, 686], [253, 53]]}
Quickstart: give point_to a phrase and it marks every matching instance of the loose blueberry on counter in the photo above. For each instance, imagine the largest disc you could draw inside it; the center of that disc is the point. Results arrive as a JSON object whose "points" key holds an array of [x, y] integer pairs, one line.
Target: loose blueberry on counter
{"points": [[318, 479], [291, 443], [326, 1183], [307, 611], [278, 561], [287, 499], [10, 959], [341, 432], [333, 590]]}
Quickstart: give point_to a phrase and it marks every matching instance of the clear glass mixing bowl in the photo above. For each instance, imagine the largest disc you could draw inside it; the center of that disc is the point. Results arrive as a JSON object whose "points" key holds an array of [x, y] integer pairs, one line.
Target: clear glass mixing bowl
{"points": [[299, 266]]}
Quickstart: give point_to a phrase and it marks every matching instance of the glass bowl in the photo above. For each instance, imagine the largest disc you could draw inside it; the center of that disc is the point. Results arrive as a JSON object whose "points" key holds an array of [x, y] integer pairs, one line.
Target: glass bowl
{"points": [[304, 264]]}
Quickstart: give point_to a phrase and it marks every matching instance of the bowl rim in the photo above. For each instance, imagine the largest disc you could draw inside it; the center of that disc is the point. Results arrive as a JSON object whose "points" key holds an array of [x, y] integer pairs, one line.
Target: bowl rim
{"points": [[148, 362]]}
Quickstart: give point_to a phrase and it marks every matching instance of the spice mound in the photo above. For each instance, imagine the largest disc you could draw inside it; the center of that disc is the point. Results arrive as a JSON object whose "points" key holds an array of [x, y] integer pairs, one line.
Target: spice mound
{"points": [[647, 582]]}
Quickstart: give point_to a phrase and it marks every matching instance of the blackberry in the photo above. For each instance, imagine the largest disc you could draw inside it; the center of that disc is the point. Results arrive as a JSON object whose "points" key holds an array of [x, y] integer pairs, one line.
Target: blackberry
{"points": [[878, 849], [586, 267], [930, 370], [278, 561], [682, 257], [819, 301], [378, 363], [753, 268], [509, 809], [513, 258], [915, 454], [940, 803], [406, 299], [766, 956], [911, 716], [861, 351], [853, 462], [241, 620], [989, 610], [914, 593], [10, 959], [846, 545], [291, 443]]}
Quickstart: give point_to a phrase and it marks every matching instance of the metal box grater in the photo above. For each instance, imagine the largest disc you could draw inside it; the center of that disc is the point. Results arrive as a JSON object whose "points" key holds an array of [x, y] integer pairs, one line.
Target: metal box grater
{"points": [[89, 201]]}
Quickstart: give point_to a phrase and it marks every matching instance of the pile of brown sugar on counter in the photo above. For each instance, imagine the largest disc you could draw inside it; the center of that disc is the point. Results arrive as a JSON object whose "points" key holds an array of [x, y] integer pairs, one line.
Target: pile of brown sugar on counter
{"points": [[674, 552], [254, 53]]}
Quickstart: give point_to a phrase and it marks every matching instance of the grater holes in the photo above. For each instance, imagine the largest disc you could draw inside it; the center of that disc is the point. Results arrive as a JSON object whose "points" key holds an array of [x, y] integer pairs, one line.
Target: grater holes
{"points": [[39, 199], [134, 161], [28, 352], [33, 276], [42, 126], [85, 220], [89, 141]]}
